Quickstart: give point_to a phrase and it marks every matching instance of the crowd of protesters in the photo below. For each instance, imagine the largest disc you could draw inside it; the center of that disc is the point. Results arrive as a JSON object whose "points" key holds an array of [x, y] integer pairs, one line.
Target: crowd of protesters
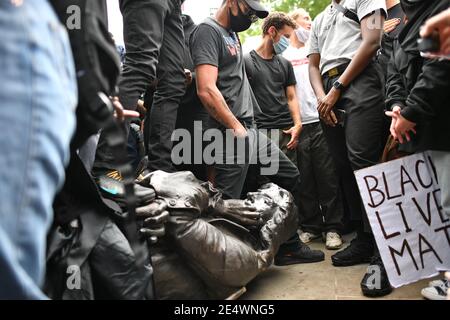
{"points": [[316, 100]]}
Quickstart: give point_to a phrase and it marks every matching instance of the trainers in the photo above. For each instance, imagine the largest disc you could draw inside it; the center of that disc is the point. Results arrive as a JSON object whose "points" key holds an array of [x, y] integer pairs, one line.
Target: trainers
{"points": [[303, 254], [333, 241], [358, 252], [375, 282], [110, 182], [437, 283], [437, 292], [115, 175], [307, 237], [112, 187]]}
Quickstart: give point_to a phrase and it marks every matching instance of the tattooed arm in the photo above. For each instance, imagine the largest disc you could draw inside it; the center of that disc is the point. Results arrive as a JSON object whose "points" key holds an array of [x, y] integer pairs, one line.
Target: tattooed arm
{"points": [[213, 100]]}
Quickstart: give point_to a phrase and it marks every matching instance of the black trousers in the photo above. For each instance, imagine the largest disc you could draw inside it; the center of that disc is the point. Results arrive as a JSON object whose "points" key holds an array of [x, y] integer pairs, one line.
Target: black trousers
{"points": [[321, 208], [231, 175], [154, 40], [189, 115], [357, 143], [230, 178]]}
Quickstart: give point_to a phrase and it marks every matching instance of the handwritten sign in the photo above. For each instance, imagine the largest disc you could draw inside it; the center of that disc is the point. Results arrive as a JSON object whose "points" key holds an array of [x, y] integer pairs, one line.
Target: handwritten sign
{"points": [[403, 202]]}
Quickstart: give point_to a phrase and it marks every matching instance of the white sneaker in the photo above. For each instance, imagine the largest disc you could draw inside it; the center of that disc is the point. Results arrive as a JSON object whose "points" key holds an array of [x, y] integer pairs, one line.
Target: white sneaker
{"points": [[437, 292], [437, 283], [334, 241], [307, 237]]}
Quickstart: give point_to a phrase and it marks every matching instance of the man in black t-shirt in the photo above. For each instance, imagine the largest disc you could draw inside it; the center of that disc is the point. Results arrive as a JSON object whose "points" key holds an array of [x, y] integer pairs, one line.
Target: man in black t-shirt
{"points": [[225, 92], [273, 82]]}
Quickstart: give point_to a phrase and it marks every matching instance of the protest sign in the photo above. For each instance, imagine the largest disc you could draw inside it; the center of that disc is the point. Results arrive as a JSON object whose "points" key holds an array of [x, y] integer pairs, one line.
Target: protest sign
{"points": [[403, 203]]}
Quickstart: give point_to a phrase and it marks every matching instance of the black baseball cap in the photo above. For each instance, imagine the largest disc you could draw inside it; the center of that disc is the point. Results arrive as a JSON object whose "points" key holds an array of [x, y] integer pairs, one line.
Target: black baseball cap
{"points": [[259, 9]]}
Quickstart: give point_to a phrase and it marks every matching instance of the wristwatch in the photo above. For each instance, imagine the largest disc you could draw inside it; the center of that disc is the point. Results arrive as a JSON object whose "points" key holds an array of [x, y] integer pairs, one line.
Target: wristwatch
{"points": [[338, 86]]}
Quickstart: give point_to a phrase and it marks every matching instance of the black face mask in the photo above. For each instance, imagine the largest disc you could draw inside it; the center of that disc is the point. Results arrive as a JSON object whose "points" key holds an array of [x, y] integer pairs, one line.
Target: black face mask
{"points": [[241, 22]]}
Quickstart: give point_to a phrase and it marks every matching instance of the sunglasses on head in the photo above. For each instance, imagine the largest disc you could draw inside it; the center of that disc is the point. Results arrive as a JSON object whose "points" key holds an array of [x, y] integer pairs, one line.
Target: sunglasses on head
{"points": [[251, 14]]}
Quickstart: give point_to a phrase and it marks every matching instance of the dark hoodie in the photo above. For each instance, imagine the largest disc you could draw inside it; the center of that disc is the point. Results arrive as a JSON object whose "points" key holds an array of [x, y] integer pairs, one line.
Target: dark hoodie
{"points": [[421, 86]]}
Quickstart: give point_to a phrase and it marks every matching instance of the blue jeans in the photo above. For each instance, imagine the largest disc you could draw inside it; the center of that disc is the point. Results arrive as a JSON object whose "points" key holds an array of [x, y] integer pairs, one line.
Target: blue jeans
{"points": [[38, 96]]}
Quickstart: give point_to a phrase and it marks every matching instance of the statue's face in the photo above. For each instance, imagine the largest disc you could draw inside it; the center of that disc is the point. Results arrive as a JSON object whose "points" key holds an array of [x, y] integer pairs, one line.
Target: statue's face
{"points": [[259, 200], [279, 196], [268, 196]]}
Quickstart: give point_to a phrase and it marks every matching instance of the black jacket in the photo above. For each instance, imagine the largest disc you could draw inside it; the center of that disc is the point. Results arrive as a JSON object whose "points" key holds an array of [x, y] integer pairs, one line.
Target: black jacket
{"points": [[421, 86]]}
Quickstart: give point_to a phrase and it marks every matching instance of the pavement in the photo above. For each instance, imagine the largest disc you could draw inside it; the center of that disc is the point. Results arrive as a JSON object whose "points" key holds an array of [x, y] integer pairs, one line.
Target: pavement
{"points": [[320, 281]]}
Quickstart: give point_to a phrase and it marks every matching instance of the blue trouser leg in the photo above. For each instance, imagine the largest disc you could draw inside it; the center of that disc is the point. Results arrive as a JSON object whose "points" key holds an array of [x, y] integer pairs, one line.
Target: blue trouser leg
{"points": [[38, 99]]}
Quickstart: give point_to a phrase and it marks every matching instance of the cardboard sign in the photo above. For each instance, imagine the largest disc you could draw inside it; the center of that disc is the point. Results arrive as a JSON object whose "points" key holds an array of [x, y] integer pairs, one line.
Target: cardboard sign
{"points": [[403, 202]]}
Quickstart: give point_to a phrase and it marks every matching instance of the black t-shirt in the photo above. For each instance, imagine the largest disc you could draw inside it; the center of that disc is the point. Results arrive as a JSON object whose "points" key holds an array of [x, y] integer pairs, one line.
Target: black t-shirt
{"points": [[214, 45], [269, 81], [395, 12]]}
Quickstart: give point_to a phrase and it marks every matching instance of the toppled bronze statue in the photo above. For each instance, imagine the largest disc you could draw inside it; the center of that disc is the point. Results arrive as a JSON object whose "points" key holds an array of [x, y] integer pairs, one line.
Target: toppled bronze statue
{"points": [[224, 244], [201, 245]]}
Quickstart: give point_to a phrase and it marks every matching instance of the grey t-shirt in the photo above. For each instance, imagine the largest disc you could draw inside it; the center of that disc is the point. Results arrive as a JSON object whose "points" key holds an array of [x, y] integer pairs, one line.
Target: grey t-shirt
{"points": [[270, 79], [337, 38], [214, 45]]}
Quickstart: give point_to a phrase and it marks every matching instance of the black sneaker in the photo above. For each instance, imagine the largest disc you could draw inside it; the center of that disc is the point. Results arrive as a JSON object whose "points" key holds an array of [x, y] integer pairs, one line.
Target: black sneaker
{"points": [[376, 282], [303, 254], [358, 252]]}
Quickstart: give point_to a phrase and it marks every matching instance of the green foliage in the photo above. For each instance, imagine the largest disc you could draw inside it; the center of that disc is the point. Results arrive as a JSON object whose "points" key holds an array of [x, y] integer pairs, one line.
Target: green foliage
{"points": [[314, 7]]}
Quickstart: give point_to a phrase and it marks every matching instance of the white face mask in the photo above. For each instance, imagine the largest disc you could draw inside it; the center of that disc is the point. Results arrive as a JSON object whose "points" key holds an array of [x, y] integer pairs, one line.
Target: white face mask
{"points": [[302, 34]]}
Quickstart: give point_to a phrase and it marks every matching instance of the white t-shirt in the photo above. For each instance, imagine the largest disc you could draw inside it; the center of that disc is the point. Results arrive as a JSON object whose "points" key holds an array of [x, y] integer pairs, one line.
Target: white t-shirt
{"points": [[338, 38], [305, 92]]}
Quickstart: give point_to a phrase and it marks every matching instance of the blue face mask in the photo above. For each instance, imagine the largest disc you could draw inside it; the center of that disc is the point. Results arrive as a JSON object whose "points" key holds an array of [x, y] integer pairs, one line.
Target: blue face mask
{"points": [[281, 45]]}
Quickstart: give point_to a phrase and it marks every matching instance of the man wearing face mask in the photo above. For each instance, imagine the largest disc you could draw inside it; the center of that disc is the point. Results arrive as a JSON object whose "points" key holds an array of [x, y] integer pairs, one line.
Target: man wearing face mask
{"points": [[320, 198], [225, 92], [273, 82]]}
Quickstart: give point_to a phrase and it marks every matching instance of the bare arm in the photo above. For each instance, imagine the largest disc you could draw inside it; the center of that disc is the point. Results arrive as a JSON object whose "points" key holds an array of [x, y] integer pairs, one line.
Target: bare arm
{"points": [[314, 75], [294, 105], [213, 99], [294, 109], [372, 32], [315, 78]]}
